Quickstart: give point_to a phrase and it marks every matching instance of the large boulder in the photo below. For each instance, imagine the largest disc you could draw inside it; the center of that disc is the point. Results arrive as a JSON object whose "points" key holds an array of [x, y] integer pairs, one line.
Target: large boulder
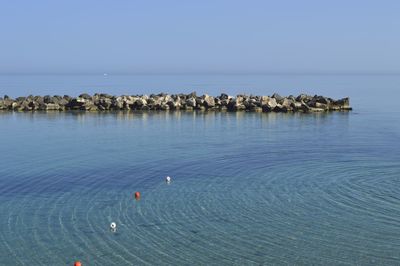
{"points": [[33, 105], [321, 105], [85, 96], [117, 103], [52, 106], [251, 103], [322, 99], [20, 99], [104, 103], [236, 104], [75, 103], [174, 104], [141, 102], [269, 104], [224, 96], [343, 103], [264, 100], [286, 105], [303, 98], [47, 99], [199, 102], [209, 101], [191, 102], [277, 97]]}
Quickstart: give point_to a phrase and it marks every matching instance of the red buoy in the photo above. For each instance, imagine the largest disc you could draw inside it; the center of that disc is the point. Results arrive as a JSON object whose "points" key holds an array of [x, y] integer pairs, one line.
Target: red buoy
{"points": [[77, 263], [137, 195]]}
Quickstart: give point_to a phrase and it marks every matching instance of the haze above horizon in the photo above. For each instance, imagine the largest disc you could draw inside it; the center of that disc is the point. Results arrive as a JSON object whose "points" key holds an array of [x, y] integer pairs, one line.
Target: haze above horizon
{"points": [[211, 37]]}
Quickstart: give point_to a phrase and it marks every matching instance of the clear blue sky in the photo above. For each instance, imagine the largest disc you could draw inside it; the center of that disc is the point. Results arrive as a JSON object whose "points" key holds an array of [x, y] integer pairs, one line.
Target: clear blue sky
{"points": [[221, 36]]}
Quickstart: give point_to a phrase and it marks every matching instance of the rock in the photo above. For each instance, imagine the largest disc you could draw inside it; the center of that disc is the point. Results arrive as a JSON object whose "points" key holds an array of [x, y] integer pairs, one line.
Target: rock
{"points": [[313, 109], [164, 106], [117, 103], [42, 107], [85, 96], [163, 101], [62, 102], [225, 102], [279, 108], [264, 100], [321, 105], [224, 96], [67, 98], [105, 95], [33, 105], [47, 99], [287, 105], [256, 109], [303, 98], [296, 106], [199, 102], [344, 104], [236, 104], [277, 97], [140, 102], [75, 104], [105, 103], [305, 108], [191, 102], [52, 107], [92, 108], [51, 99], [20, 99], [80, 100], [39, 99], [340, 105], [322, 99], [174, 104], [209, 101], [23, 106], [269, 105]]}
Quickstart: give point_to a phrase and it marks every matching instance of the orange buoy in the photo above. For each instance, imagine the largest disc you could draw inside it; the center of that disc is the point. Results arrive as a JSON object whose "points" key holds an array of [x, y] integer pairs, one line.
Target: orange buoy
{"points": [[137, 195], [77, 263]]}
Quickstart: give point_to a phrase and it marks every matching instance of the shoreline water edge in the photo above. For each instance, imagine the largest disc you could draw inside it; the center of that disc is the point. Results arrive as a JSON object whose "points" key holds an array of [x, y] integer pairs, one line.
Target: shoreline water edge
{"points": [[189, 102]]}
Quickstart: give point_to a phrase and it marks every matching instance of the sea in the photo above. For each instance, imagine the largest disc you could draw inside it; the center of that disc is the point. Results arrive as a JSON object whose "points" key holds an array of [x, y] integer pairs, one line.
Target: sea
{"points": [[247, 188]]}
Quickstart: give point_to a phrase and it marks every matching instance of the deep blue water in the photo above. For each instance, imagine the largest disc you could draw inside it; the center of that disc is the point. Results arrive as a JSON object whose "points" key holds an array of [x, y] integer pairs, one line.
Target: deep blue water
{"points": [[248, 188]]}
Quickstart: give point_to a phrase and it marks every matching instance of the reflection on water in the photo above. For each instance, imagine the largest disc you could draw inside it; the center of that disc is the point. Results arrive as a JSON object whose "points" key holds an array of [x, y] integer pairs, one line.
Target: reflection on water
{"points": [[248, 188]]}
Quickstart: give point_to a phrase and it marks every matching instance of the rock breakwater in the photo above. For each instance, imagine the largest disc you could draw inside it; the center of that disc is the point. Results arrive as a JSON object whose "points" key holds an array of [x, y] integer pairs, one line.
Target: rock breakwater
{"points": [[103, 102]]}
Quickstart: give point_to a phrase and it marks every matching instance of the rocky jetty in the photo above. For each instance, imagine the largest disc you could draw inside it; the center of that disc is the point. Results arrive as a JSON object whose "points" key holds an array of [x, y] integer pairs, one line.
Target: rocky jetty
{"points": [[103, 102]]}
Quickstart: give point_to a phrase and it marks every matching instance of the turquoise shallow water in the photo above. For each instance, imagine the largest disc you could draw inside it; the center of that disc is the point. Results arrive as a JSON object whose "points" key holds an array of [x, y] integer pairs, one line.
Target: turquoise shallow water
{"points": [[248, 188]]}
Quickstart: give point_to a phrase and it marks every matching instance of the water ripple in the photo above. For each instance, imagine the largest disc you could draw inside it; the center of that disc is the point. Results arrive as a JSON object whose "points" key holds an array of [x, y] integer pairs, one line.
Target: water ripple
{"points": [[273, 198]]}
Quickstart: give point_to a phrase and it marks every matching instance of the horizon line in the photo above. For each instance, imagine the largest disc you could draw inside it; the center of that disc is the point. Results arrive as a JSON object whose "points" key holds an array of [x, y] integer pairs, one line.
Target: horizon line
{"points": [[154, 73]]}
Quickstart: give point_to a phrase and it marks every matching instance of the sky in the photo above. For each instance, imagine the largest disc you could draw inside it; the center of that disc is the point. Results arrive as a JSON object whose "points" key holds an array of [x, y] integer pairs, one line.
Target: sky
{"points": [[207, 36]]}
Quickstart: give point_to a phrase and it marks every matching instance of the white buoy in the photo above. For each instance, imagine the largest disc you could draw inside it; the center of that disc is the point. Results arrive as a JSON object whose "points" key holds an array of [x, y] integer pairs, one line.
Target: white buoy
{"points": [[113, 226], [168, 179]]}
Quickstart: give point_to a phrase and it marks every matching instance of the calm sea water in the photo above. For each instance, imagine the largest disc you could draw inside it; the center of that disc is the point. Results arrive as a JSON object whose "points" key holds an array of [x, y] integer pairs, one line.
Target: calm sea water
{"points": [[248, 188]]}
